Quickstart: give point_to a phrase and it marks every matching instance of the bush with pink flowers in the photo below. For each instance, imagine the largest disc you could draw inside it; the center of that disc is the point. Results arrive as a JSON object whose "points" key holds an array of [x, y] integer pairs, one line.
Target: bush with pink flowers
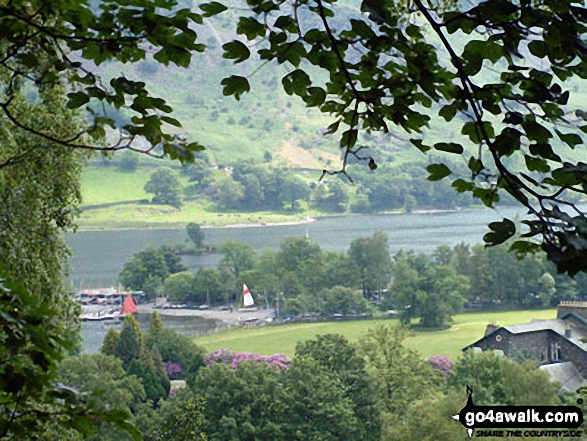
{"points": [[441, 363], [278, 361]]}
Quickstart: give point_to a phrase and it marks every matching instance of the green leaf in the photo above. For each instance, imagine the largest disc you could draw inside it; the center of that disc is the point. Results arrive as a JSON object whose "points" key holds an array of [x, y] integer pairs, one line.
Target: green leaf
{"points": [[171, 121], [349, 138], [332, 128], [438, 172], [315, 96], [501, 231], [571, 139], [536, 164], [212, 8], [462, 186], [536, 132], [420, 145], [449, 147], [77, 99], [523, 247], [250, 27], [296, 82], [235, 85], [236, 50]]}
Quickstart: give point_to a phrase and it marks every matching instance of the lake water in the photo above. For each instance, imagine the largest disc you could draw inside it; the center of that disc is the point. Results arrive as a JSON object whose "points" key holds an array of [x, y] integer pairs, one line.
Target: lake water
{"points": [[98, 256], [93, 332]]}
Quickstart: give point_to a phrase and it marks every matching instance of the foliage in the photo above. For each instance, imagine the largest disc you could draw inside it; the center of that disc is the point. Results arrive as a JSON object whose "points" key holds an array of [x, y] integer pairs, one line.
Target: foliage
{"points": [[441, 363], [180, 418], [517, 117], [165, 186], [130, 344], [155, 326], [38, 51], [258, 402], [340, 359], [498, 380], [178, 287], [237, 256], [33, 401], [128, 162], [106, 386], [398, 374], [195, 234], [431, 292], [148, 269], [110, 342], [371, 256], [208, 285], [277, 361], [177, 350]]}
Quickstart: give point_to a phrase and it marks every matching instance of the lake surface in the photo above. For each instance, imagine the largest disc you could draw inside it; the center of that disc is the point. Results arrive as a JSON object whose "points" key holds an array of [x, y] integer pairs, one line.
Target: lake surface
{"points": [[98, 256], [93, 332]]}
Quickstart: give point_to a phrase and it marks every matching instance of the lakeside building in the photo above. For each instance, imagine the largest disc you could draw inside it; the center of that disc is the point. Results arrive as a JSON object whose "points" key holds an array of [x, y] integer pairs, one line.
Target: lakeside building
{"points": [[559, 346]]}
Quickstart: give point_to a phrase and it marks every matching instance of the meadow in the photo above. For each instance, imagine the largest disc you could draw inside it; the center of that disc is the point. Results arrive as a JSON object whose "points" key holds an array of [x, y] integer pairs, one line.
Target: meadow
{"points": [[467, 328]]}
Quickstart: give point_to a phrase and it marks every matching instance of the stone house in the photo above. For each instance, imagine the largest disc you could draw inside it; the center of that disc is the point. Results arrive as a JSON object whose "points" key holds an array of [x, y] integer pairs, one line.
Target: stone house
{"points": [[559, 345]]}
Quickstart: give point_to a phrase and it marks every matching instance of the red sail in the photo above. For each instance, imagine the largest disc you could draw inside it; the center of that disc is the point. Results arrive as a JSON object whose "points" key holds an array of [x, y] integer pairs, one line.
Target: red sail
{"points": [[128, 306]]}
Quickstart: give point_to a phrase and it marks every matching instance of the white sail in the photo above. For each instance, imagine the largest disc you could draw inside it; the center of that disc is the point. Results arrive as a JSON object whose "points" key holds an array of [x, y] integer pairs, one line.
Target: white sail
{"points": [[247, 297]]}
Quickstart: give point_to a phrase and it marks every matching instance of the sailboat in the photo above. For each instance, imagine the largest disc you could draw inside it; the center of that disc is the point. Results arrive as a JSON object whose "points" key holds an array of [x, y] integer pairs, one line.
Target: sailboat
{"points": [[247, 299]]}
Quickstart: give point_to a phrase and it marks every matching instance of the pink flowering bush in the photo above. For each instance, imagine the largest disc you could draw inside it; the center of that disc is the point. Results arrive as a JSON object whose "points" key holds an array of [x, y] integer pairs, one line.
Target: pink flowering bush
{"points": [[173, 370], [278, 361], [441, 363]]}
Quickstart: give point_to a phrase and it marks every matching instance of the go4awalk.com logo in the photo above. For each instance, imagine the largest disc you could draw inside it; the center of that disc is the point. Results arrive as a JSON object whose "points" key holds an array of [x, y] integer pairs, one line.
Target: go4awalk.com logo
{"points": [[520, 421]]}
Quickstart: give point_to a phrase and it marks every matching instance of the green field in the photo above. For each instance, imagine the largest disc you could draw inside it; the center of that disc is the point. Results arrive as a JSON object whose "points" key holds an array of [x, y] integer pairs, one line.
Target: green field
{"points": [[165, 216], [467, 328]]}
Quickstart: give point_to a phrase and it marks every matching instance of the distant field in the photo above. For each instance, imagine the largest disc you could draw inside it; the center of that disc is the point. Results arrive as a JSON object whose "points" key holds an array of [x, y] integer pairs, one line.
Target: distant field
{"points": [[165, 216], [102, 185], [468, 328]]}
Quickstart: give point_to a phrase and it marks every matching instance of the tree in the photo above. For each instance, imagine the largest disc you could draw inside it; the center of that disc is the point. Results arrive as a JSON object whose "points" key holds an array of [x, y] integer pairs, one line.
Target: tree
{"points": [[128, 162], [527, 104], [398, 374], [179, 287], [342, 300], [237, 256], [506, 114], [97, 35], [148, 269], [208, 285], [181, 418], [294, 188], [227, 192], [195, 234], [130, 344], [155, 326], [96, 373], [165, 186], [371, 255], [110, 342], [498, 380], [426, 290], [335, 354]]}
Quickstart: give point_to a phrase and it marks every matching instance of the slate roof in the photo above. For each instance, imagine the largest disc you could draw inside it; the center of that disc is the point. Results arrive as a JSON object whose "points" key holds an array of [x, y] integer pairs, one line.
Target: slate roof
{"points": [[566, 374], [555, 325]]}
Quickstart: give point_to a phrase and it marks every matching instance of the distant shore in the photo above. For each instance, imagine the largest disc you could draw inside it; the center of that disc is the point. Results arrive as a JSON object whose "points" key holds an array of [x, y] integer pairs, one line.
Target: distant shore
{"points": [[278, 224], [238, 225]]}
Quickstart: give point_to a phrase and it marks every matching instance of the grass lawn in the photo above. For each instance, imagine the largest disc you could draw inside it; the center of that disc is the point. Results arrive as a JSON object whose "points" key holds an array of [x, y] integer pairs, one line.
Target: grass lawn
{"points": [[468, 328]]}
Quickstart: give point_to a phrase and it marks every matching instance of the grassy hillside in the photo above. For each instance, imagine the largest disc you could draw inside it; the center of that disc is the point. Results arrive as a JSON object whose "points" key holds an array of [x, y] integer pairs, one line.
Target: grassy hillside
{"points": [[467, 328]]}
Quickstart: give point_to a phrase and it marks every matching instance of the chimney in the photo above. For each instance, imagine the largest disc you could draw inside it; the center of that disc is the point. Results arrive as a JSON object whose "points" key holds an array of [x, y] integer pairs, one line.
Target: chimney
{"points": [[491, 327], [568, 333]]}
